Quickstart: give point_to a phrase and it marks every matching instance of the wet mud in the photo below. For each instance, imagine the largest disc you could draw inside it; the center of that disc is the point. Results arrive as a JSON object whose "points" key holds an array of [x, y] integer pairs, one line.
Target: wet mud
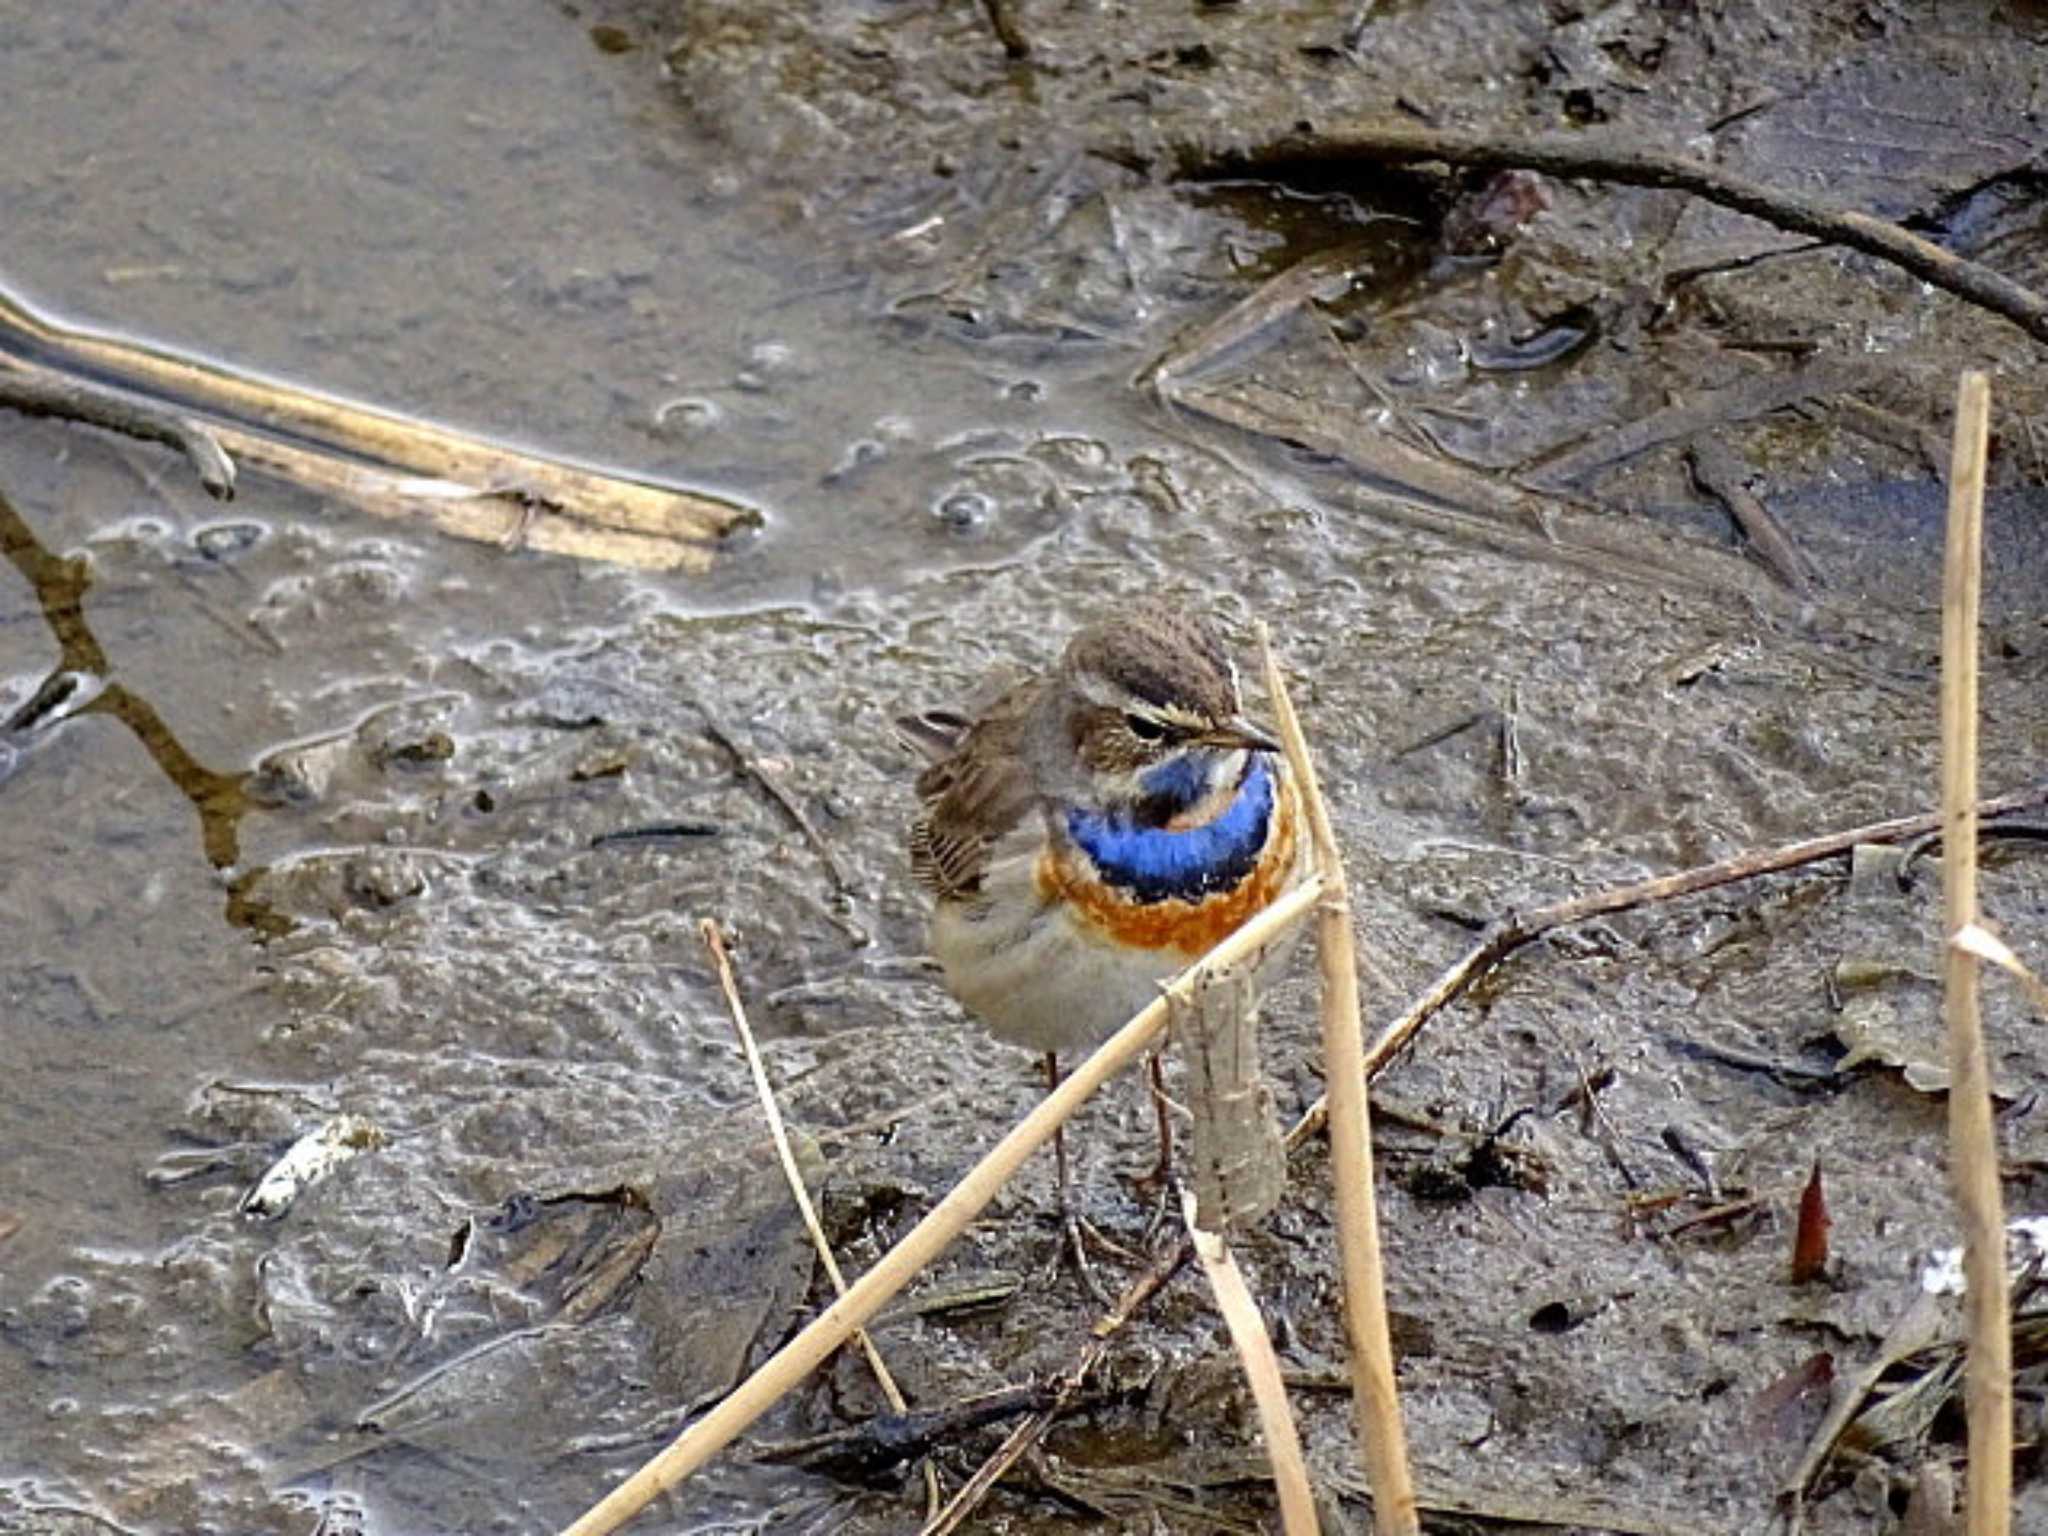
{"points": [[305, 817]]}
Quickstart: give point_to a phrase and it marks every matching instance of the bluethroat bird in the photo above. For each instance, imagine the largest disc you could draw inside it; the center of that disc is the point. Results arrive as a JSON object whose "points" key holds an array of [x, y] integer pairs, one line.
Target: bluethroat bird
{"points": [[1094, 830]]}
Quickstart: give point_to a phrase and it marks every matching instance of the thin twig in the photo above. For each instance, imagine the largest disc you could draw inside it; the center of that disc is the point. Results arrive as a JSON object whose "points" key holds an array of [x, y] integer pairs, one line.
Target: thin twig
{"points": [[98, 406], [714, 941], [1517, 929], [947, 1220], [1262, 1374], [863, 1452], [1588, 156], [1973, 1141], [1376, 1407], [751, 768], [1027, 1434]]}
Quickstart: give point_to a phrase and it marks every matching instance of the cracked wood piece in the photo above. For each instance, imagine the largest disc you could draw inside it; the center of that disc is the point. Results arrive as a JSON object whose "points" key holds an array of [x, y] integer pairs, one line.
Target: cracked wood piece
{"points": [[1239, 1161]]}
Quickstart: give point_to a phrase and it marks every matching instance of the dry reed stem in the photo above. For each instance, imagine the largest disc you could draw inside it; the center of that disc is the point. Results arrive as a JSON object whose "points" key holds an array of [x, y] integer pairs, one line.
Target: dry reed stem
{"points": [[714, 941], [1973, 1142], [1261, 1372], [1376, 1407], [789, 1365]]}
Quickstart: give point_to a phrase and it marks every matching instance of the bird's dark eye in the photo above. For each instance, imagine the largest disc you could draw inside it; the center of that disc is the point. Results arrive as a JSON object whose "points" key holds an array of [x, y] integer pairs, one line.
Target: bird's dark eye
{"points": [[1145, 728]]}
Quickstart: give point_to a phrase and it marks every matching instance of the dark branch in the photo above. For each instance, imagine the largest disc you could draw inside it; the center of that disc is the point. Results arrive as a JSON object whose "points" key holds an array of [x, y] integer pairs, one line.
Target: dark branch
{"points": [[1591, 158], [75, 400]]}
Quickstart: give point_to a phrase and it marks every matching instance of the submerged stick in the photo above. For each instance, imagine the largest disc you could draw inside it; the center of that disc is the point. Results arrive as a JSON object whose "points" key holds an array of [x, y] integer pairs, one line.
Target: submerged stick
{"points": [[750, 767], [947, 1220], [98, 406], [1973, 1141], [1272, 301], [1717, 473], [1376, 1407], [1423, 490]]}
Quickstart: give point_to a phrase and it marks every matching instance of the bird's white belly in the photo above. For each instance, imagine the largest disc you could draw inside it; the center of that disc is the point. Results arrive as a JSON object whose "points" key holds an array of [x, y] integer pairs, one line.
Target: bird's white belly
{"points": [[1036, 975], [1035, 979]]}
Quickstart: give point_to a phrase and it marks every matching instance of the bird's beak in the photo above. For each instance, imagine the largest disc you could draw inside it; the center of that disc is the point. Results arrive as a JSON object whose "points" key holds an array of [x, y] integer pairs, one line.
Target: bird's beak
{"points": [[1239, 732]]}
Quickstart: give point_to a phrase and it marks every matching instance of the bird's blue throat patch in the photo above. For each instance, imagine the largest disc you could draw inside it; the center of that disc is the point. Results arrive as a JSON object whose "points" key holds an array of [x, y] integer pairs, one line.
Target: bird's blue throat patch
{"points": [[1174, 785], [1158, 864]]}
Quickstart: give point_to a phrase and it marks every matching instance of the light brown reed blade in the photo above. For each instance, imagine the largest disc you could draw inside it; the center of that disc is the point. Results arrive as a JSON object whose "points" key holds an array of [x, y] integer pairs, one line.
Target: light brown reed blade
{"points": [[1975, 939], [1237, 1159], [387, 464], [1261, 1373]]}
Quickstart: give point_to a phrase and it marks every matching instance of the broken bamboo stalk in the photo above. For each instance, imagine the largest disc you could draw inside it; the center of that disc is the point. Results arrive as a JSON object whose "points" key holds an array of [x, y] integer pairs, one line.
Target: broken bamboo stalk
{"points": [[377, 460]]}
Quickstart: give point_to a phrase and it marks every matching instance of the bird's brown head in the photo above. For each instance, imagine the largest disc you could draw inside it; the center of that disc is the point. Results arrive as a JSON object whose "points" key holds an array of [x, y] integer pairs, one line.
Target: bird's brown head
{"points": [[1150, 708]]}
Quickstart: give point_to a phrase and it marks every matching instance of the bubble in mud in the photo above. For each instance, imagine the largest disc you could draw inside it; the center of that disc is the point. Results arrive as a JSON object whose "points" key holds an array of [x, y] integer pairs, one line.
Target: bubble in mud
{"points": [[686, 415], [859, 454], [769, 363], [222, 542], [964, 511]]}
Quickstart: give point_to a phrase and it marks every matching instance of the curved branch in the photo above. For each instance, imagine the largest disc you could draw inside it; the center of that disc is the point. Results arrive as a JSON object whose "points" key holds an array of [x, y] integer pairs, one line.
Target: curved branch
{"points": [[1598, 159]]}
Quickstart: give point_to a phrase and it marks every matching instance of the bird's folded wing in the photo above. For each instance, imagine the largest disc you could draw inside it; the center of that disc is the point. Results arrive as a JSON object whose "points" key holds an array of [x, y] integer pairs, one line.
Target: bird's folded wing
{"points": [[970, 800]]}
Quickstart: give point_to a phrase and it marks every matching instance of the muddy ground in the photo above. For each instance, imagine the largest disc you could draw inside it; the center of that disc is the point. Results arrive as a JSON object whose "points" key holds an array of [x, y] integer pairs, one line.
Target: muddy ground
{"points": [[341, 834]]}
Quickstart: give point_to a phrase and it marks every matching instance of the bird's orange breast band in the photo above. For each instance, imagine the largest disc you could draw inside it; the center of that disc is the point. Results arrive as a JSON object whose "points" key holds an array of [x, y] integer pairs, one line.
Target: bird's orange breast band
{"points": [[1185, 928]]}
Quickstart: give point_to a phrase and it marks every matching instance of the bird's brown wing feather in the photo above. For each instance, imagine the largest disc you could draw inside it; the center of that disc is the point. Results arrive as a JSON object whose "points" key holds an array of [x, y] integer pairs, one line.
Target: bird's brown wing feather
{"points": [[969, 801]]}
